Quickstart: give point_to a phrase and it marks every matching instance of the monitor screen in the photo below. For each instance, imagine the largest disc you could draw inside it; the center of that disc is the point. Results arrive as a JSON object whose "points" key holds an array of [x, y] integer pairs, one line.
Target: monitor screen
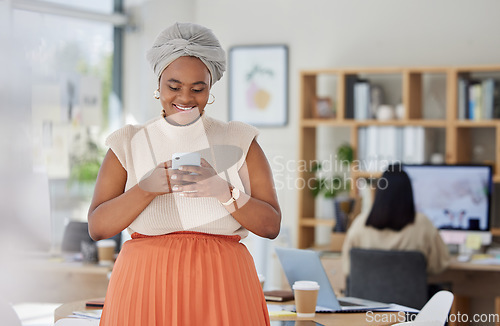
{"points": [[453, 197]]}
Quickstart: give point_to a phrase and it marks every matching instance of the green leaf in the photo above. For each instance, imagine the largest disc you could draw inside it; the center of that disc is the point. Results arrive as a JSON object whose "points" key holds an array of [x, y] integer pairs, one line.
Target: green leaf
{"points": [[345, 153], [85, 172], [316, 167]]}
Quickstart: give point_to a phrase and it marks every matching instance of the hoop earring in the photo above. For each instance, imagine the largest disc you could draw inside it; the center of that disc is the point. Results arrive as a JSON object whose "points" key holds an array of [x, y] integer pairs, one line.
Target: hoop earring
{"points": [[213, 99], [156, 94]]}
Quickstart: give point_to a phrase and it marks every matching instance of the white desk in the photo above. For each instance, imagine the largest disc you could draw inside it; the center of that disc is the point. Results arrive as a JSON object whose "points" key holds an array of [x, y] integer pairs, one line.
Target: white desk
{"points": [[53, 280]]}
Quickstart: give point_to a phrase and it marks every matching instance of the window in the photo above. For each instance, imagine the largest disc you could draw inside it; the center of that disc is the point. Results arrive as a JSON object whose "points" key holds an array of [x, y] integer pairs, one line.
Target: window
{"points": [[94, 5], [73, 70]]}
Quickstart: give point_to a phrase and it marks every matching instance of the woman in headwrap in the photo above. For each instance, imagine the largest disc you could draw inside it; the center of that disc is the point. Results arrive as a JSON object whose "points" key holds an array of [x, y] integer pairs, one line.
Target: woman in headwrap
{"points": [[184, 264]]}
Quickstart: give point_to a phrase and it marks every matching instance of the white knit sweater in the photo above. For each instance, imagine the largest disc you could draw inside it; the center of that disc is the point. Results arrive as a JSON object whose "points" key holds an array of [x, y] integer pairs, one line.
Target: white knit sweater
{"points": [[224, 145]]}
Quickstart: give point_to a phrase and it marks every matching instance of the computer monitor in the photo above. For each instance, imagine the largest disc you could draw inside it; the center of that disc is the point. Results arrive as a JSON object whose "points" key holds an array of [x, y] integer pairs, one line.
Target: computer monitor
{"points": [[456, 198]]}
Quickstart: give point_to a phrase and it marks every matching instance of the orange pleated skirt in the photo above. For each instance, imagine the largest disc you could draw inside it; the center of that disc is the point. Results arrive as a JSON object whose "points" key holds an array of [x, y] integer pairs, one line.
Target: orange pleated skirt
{"points": [[184, 278]]}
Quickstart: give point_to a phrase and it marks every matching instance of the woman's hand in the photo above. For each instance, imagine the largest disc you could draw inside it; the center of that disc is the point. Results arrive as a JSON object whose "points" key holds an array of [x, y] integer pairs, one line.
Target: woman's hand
{"points": [[157, 180], [205, 183]]}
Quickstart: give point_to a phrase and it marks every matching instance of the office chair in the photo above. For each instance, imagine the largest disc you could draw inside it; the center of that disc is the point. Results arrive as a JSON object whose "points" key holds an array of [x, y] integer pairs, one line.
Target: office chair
{"points": [[388, 276], [435, 311], [76, 232]]}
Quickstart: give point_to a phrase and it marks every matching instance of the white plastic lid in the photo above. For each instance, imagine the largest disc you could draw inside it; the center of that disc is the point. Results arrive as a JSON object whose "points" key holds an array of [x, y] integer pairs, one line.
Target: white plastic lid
{"points": [[106, 243], [305, 285]]}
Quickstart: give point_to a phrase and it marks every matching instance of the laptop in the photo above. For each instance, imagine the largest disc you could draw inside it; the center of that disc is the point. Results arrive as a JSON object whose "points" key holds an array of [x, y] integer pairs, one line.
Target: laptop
{"points": [[300, 265]]}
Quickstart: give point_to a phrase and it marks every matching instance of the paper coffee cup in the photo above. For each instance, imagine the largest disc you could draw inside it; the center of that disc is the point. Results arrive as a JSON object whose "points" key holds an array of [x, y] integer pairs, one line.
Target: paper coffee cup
{"points": [[106, 251], [306, 295]]}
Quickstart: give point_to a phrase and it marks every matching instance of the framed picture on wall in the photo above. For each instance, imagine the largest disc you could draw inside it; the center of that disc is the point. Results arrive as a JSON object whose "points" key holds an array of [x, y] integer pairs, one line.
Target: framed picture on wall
{"points": [[258, 84]]}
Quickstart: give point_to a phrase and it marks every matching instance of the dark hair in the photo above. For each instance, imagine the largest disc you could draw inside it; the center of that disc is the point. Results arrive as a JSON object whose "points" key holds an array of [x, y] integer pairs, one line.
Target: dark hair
{"points": [[393, 207]]}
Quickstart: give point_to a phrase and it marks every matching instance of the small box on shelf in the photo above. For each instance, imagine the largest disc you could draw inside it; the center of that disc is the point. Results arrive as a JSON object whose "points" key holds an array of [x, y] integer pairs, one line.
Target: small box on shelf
{"points": [[323, 108]]}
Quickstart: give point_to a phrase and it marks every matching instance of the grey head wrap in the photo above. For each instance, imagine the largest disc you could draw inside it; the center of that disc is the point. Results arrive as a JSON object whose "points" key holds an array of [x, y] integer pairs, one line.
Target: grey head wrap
{"points": [[187, 39]]}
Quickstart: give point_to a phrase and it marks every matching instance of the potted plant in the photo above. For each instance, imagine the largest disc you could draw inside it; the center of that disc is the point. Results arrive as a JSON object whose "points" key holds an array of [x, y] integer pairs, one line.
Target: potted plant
{"points": [[333, 186], [336, 187], [85, 163]]}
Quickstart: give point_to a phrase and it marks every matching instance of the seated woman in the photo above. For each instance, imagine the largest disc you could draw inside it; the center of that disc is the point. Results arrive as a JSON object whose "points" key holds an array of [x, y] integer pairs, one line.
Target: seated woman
{"points": [[393, 224]]}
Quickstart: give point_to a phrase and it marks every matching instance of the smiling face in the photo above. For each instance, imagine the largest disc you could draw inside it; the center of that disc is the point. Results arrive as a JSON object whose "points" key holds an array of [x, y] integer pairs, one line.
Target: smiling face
{"points": [[184, 90]]}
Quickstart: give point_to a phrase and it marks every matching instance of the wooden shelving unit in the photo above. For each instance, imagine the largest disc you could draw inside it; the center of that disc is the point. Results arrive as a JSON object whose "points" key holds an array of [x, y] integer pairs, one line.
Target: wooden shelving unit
{"points": [[458, 143]]}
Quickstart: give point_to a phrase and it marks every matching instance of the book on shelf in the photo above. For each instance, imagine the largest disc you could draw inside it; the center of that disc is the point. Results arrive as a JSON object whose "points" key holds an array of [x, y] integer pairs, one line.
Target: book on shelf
{"points": [[463, 98], [371, 157], [475, 102], [488, 90], [408, 153], [478, 99], [362, 110], [278, 295], [368, 153], [362, 146], [388, 143], [496, 100], [350, 81], [399, 142], [380, 145]]}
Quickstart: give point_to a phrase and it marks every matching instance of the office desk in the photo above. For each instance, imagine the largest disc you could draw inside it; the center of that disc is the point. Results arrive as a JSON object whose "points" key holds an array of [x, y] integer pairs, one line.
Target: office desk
{"points": [[476, 288], [351, 319], [55, 280]]}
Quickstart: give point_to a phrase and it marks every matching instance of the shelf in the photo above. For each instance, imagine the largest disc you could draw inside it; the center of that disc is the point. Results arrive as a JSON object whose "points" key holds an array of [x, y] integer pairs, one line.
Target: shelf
{"points": [[315, 72], [326, 122], [373, 70], [403, 123], [396, 70], [366, 174], [311, 221], [354, 71], [407, 85], [491, 68], [495, 232], [364, 123], [478, 123], [427, 70]]}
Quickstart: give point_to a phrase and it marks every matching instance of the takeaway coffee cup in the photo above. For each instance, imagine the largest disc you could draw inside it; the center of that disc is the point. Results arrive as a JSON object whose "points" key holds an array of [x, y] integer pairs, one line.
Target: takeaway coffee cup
{"points": [[306, 295], [106, 251]]}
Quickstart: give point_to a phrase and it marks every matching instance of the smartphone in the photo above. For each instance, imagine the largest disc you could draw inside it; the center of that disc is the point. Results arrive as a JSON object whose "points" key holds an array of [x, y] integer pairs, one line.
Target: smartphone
{"points": [[180, 159]]}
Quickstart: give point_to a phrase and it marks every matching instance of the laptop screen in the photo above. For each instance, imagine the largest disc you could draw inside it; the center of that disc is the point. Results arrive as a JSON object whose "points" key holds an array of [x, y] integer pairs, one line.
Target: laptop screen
{"points": [[300, 265]]}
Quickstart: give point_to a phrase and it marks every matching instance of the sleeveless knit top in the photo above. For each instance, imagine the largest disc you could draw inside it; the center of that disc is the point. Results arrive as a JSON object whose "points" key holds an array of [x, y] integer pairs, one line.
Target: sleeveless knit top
{"points": [[140, 148]]}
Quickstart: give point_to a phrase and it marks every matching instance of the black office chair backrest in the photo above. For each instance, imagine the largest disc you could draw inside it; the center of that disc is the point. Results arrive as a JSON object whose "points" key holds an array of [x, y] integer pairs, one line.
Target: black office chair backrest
{"points": [[388, 276], [76, 232]]}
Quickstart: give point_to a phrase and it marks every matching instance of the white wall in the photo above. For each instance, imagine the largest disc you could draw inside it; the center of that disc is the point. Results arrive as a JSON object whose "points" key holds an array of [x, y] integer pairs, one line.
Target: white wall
{"points": [[320, 33], [149, 19]]}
